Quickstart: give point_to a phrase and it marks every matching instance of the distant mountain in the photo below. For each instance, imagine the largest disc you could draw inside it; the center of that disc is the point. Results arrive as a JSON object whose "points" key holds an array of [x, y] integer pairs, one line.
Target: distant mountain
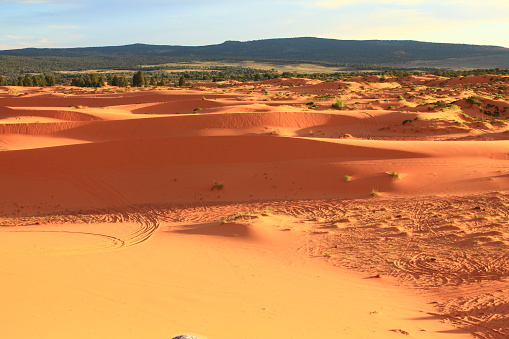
{"points": [[134, 49], [380, 52]]}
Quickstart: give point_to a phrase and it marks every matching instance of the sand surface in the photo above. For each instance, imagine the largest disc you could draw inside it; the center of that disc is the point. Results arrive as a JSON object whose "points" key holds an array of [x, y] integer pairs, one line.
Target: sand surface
{"points": [[220, 280], [249, 210]]}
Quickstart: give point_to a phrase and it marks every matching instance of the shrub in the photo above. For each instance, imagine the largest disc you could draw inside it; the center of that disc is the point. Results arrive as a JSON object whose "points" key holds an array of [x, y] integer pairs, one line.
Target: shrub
{"points": [[338, 104], [474, 100], [395, 175], [216, 186]]}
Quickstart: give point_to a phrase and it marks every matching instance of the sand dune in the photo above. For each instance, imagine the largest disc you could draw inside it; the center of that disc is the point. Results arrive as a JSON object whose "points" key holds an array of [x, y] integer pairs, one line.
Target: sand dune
{"points": [[239, 280], [112, 200]]}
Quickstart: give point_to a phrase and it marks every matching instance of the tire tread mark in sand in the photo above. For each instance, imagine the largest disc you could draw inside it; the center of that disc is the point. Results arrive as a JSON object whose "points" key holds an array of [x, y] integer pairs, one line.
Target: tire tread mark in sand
{"points": [[113, 197], [148, 222], [486, 332], [464, 269], [490, 309], [368, 123], [115, 243]]}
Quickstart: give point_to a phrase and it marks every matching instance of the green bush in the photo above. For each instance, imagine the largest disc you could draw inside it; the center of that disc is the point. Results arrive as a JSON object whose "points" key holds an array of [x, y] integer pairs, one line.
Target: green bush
{"points": [[338, 104], [216, 186]]}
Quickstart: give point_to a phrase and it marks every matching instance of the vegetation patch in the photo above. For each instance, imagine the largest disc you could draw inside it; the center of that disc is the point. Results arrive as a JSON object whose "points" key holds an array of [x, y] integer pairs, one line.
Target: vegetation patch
{"points": [[217, 186], [338, 104]]}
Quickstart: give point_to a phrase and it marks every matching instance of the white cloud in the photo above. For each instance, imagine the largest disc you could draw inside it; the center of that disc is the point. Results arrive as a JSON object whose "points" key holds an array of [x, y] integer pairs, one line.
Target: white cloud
{"points": [[27, 41], [19, 37]]}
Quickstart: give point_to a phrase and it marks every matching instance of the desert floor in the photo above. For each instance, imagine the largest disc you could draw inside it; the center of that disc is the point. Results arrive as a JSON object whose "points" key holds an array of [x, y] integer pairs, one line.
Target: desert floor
{"points": [[257, 210]]}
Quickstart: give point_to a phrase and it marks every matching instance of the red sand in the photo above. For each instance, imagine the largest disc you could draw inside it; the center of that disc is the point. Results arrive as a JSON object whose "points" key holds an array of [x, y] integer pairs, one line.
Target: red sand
{"points": [[68, 152]]}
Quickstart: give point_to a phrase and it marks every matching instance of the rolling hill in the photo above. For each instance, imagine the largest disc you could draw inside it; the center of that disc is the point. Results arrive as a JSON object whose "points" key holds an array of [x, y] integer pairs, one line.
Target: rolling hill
{"points": [[380, 52]]}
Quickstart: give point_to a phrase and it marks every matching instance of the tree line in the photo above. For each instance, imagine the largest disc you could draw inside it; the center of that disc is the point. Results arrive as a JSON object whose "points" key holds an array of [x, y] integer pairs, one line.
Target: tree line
{"points": [[28, 80], [158, 78]]}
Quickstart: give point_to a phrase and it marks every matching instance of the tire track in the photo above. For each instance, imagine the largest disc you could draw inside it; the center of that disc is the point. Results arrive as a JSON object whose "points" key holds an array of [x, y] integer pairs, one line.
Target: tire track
{"points": [[368, 123], [113, 243], [476, 329]]}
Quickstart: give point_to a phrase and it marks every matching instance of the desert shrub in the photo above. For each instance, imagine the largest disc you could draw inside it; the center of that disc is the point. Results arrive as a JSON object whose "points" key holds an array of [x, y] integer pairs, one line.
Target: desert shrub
{"points": [[338, 104], [474, 100], [395, 175], [452, 107], [216, 186]]}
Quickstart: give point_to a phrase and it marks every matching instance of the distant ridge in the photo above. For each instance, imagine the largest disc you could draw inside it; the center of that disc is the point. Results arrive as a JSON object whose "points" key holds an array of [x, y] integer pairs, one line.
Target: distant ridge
{"points": [[382, 52]]}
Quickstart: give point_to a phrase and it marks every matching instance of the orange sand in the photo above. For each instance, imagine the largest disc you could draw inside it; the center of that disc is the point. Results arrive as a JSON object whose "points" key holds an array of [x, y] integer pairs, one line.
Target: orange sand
{"points": [[69, 152], [218, 281]]}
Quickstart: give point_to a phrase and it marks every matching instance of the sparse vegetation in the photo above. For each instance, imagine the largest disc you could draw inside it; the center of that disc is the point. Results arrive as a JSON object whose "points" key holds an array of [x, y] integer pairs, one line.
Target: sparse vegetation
{"points": [[395, 175], [244, 216], [338, 104], [474, 100], [217, 186]]}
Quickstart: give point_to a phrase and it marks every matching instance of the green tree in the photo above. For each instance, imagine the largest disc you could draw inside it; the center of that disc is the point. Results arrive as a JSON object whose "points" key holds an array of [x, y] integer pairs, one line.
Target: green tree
{"points": [[50, 80], [100, 81], [139, 79], [182, 81], [27, 81], [79, 82], [93, 80], [122, 81], [114, 81]]}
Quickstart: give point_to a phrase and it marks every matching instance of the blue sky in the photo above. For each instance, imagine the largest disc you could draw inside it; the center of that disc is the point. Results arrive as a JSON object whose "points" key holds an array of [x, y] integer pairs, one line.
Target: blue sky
{"points": [[83, 23]]}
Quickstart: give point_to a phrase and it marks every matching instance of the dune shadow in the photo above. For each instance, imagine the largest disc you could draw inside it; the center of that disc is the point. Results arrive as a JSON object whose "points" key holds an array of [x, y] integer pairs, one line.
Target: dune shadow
{"points": [[217, 229], [468, 322]]}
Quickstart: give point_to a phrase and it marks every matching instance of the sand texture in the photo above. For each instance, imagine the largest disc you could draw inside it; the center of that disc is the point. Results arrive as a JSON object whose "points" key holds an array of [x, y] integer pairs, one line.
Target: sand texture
{"points": [[257, 210]]}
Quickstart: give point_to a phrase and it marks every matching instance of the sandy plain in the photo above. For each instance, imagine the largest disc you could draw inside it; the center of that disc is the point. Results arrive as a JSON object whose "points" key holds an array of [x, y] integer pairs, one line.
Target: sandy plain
{"points": [[249, 210]]}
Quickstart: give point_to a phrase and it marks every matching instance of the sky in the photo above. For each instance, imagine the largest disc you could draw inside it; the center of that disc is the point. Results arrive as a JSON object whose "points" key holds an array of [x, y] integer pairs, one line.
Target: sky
{"points": [[86, 23]]}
